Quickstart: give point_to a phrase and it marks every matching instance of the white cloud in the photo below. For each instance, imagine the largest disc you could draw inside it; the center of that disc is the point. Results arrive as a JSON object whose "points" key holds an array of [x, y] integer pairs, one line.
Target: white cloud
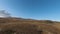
{"points": [[3, 14]]}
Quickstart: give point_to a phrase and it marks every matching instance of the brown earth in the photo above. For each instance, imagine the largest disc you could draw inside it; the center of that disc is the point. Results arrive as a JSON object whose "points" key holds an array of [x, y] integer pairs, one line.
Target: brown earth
{"points": [[28, 26]]}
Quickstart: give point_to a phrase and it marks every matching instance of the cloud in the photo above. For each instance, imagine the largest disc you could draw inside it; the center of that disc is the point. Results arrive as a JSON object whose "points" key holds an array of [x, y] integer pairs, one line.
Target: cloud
{"points": [[4, 14]]}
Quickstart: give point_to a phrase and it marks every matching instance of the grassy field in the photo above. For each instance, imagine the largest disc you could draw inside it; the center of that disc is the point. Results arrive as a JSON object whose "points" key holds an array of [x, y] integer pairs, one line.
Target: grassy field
{"points": [[28, 26]]}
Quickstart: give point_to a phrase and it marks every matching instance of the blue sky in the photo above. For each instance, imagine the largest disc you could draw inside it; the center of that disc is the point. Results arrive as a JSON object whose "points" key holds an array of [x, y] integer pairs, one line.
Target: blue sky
{"points": [[35, 9]]}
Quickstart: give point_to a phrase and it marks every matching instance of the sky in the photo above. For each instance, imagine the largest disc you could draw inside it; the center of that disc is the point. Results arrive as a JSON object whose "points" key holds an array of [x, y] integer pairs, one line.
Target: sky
{"points": [[35, 9]]}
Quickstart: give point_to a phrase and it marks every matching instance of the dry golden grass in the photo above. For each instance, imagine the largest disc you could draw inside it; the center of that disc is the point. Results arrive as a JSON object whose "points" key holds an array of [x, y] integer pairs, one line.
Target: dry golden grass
{"points": [[26, 26]]}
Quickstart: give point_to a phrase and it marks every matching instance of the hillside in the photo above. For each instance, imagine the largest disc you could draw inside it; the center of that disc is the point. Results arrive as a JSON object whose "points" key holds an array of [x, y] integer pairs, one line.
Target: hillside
{"points": [[28, 26]]}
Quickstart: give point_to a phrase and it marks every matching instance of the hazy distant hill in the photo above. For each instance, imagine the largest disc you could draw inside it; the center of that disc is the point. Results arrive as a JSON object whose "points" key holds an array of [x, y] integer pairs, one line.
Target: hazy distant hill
{"points": [[28, 26]]}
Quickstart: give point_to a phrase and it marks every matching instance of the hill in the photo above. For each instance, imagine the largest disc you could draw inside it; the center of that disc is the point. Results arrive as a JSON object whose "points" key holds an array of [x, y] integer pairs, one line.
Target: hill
{"points": [[28, 26]]}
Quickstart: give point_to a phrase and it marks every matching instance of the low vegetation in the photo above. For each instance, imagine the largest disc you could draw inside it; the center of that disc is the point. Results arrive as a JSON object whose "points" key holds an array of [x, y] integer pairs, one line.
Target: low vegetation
{"points": [[28, 26]]}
